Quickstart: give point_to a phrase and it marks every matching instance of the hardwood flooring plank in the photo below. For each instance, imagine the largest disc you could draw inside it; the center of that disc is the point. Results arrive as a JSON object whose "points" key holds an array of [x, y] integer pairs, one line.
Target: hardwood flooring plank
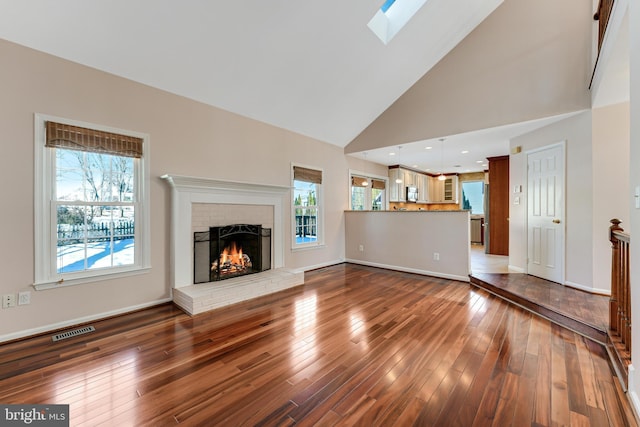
{"points": [[575, 385], [559, 394], [542, 407], [354, 345], [505, 410]]}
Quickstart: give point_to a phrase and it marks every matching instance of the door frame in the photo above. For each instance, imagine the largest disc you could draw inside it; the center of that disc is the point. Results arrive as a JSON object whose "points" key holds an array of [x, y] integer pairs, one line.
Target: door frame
{"points": [[563, 253]]}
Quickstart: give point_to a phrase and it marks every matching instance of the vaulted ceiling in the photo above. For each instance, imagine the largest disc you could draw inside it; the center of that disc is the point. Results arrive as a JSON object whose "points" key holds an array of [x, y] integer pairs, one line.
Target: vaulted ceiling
{"points": [[311, 67], [475, 71]]}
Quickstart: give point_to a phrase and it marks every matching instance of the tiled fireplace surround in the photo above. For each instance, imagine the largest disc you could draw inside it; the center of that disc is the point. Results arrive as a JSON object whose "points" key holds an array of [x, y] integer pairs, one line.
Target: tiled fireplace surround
{"points": [[200, 203]]}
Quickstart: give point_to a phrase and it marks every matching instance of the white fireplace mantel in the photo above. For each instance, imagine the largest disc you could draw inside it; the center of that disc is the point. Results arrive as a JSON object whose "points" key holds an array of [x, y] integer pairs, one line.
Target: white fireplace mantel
{"points": [[189, 190]]}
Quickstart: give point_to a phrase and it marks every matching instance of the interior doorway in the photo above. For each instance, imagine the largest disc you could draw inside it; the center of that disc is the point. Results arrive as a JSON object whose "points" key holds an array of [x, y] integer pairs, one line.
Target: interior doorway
{"points": [[481, 262]]}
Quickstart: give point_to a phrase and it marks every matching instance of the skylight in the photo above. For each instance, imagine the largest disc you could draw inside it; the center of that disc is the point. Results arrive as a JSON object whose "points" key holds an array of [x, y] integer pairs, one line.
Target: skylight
{"points": [[392, 16], [387, 4]]}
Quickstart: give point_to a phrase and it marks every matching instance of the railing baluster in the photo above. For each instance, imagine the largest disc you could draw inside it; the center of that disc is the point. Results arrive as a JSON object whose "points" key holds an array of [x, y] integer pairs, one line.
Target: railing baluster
{"points": [[620, 300], [602, 16], [614, 312], [627, 286]]}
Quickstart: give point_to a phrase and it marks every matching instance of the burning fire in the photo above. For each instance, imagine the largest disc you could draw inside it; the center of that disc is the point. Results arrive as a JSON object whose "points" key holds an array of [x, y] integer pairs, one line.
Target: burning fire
{"points": [[232, 260], [232, 255]]}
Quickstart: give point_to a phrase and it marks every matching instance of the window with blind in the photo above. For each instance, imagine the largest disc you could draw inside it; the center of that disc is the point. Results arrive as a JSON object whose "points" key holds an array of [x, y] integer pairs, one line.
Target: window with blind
{"points": [[91, 202], [367, 193], [307, 207]]}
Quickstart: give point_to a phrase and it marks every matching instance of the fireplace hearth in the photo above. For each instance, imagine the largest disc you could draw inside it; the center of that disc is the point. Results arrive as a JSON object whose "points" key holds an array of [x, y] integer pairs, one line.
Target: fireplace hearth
{"points": [[231, 251], [188, 196]]}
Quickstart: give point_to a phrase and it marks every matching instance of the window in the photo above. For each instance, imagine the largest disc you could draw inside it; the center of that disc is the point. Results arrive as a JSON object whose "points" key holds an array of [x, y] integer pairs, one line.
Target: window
{"points": [[307, 207], [367, 193], [473, 196], [392, 16], [91, 202]]}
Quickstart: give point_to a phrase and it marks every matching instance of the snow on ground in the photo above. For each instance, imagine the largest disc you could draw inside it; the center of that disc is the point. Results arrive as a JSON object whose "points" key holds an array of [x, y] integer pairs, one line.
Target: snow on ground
{"points": [[97, 255]]}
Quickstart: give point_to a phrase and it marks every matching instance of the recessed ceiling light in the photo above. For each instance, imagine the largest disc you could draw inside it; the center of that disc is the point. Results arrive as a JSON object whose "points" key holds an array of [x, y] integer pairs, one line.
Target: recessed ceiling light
{"points": [[465, 151], [484, 165], [414, 166], [428, 148], [392, 154], [478, 161]]}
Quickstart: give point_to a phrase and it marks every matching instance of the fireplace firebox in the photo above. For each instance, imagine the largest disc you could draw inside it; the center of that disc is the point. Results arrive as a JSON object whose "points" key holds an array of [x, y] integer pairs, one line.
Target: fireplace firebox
{"points": [[230, 251]]}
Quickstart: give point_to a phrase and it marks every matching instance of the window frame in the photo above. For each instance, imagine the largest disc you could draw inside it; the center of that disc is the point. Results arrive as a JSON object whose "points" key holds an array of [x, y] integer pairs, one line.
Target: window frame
{"points": [[319, 207], [45, 215], [462, 195], [368, 196]]}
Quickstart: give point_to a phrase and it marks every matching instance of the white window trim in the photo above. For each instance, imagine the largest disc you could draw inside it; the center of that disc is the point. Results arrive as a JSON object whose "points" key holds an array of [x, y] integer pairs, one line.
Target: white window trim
{"points": [[369, 176], [320, 220], [46, 276]]}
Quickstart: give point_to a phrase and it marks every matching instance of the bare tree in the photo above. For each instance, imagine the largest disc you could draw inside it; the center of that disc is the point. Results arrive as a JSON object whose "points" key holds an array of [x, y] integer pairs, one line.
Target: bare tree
{"points": [[96, 172], [122, 178]]}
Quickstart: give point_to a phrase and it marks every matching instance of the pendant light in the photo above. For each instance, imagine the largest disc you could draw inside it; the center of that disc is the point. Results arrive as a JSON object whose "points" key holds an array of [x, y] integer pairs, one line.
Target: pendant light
{"points": [[398, 179], [365, 181], [441, 177]]}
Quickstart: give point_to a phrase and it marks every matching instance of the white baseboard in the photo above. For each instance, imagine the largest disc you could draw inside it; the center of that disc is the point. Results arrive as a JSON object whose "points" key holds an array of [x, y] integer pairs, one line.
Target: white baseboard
{"points": [[317, 266], [514, 269], [588, 288], [78, 321], [410, 270], [632, 392]]}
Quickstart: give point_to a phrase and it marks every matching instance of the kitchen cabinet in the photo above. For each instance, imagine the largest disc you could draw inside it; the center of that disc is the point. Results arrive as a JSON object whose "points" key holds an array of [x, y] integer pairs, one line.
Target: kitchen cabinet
{"points": [[430, 190], [443, 191], [436, 190], [409, 178], [451, 189], [396, 190], [423, 188]]}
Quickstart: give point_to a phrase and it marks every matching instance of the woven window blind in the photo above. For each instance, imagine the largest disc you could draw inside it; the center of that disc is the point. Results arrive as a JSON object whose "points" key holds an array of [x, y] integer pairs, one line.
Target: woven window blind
{"points": [[307, 175], [82, 139], [358, 181], [377, 184]]}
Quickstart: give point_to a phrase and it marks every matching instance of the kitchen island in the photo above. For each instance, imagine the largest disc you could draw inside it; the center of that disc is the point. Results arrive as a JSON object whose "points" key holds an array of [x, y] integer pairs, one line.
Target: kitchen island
{"points": [[434, 243]]}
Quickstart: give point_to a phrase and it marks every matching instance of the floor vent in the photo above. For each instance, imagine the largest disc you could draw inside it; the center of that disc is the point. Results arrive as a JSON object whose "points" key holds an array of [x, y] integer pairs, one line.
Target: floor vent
{"points": [[73, 333]]}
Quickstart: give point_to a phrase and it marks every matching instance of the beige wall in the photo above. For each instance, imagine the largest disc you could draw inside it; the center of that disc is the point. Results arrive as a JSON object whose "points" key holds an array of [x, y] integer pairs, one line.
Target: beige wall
{"points": [[579, 201], [187, 138], [634, 171], [520, 63], [407, 240], [596, 190], [610, 183]]}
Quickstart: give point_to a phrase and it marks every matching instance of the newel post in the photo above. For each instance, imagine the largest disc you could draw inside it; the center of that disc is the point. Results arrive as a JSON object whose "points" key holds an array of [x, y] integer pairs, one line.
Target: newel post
{"points": [[615, 275]]}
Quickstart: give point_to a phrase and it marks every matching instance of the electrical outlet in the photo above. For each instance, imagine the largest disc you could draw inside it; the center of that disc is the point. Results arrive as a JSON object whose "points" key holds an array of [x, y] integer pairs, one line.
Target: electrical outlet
{"points": [[436, 256], [361, 248], [8, 300], [24, 298]]}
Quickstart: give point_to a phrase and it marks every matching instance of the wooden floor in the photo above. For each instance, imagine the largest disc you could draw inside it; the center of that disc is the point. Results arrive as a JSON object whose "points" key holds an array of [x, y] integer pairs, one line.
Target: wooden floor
{"points": [[481, 262], [354, 346], [582, 312]]}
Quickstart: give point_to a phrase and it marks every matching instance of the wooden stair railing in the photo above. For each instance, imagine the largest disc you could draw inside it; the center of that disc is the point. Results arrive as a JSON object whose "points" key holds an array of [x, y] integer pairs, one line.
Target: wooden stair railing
{"points": [[602, 16], [620, 301]]}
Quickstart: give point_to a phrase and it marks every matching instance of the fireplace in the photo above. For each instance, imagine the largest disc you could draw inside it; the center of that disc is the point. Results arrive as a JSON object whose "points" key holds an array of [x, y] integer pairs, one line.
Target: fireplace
{"points": [[199, 203], [231, 251]]}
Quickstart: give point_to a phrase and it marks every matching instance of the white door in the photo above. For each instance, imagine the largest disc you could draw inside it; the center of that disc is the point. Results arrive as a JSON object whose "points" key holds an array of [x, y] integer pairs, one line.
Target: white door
{"points": [[545, 213]]}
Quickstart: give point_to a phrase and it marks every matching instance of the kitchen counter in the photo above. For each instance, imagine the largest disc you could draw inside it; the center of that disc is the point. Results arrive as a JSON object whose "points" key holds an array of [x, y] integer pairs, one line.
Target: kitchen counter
{"points": [[414, 210], [435, 245]]}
